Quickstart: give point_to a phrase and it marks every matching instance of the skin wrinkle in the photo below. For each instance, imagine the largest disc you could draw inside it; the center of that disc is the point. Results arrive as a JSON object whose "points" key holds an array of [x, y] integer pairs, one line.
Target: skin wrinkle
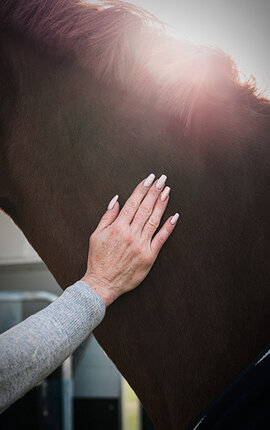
{"points": [[76, 141]]}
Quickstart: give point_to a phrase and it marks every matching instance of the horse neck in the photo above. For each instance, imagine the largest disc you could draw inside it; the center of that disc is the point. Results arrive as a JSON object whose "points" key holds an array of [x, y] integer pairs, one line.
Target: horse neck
{"points": [[203, 309]]}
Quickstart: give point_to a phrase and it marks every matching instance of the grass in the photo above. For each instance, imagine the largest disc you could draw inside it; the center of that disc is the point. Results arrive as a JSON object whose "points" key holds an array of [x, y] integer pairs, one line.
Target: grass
{"points": [[130, 408]]}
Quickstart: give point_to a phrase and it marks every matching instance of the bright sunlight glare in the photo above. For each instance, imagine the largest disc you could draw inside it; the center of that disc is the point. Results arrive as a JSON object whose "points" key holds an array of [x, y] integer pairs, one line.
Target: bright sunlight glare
{"points": [[239, 27]]}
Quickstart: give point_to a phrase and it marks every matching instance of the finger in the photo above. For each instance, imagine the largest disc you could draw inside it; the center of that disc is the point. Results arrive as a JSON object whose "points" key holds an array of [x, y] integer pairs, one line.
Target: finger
{"points": [[163, 234], [154, 220], [146, 208], [130, 207], [110, 214]]}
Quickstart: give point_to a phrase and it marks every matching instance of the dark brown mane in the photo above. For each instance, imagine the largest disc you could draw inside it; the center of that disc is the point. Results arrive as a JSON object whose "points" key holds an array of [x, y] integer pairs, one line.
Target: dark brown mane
{"points": [[120, 42]]}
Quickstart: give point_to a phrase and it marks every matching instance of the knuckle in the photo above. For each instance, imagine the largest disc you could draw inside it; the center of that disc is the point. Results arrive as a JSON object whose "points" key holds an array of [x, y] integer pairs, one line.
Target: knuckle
{"points": [[142, 190], [131, 204], [116, 228], [126, 211], [129, 207], [106, 216], [145, 210], [137, 251], [129, 238], [163, 202], [147, 260], [161, 238], [154, 191], [153, 223]]}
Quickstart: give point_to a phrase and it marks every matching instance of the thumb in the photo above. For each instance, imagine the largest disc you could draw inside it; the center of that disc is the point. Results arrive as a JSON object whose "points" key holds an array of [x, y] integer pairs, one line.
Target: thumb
{"points": [[110, 214]]}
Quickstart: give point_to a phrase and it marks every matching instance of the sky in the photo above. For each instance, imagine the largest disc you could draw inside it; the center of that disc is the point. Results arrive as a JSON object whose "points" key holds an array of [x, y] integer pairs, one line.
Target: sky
{"points": [[240, 27]]}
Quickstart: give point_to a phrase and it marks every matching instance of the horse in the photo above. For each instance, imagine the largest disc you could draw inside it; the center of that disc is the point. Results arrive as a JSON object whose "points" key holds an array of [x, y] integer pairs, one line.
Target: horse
{"points": [[93, 99]]}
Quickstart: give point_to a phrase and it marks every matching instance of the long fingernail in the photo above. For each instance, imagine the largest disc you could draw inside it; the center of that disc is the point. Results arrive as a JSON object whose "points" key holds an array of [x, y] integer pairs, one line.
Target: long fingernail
{"points": [[174, 219], [160, 183], [149, 180], [112, 202], [165, 193]]}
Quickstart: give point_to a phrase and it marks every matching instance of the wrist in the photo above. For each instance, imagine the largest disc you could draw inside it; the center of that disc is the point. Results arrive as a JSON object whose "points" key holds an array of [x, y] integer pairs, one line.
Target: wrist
{"points": [[104, 291]]}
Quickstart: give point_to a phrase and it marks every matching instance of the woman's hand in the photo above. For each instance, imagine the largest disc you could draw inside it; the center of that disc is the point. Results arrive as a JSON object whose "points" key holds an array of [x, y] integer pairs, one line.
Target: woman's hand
{"points": [[122, 248]]}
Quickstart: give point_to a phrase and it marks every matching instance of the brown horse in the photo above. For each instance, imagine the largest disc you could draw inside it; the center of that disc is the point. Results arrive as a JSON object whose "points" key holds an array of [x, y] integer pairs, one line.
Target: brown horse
{"points": [[93, 99]]}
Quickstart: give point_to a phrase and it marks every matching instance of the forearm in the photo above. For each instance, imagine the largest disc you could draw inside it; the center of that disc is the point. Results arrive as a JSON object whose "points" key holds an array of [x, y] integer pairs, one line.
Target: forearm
{"points": [[33, 349]]}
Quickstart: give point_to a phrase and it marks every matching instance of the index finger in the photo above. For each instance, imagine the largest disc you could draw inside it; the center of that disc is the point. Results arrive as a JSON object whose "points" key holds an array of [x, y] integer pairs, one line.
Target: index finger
{"points": [[133, 202]]}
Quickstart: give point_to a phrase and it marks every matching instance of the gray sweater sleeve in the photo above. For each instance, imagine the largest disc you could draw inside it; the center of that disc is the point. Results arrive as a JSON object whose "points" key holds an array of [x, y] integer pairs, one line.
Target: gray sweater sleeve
{"points": [[33, 349]]}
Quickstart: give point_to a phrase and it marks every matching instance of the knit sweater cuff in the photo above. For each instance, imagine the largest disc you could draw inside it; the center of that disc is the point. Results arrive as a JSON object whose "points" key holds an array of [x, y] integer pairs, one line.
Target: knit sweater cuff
{"points": [[78, 311]]}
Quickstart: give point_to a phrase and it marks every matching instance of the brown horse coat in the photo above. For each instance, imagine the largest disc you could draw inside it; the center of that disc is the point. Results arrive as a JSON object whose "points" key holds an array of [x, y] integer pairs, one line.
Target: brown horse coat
{"points": [[92, 101]]}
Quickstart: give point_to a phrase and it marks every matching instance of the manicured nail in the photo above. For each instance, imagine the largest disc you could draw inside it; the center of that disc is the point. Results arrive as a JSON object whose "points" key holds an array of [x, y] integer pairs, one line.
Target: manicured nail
{"points": [[149, 180], [174, 219], [160, 183], [165, 193], [112, 202]]}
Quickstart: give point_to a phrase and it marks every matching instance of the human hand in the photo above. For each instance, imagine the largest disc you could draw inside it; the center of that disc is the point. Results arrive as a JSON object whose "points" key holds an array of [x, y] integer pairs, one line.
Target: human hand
{"points": [[122, 249]]}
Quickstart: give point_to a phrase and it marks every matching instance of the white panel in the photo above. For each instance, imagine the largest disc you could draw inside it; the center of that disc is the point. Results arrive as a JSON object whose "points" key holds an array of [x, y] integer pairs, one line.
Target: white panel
{"points": [[14, 247]]}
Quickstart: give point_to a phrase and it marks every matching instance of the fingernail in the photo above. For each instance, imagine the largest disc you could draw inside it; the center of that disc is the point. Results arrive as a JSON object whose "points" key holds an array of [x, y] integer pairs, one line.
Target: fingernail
{"points": [[149, 180], [160, 183], [165, 194], [174, 219], [112, 202]]}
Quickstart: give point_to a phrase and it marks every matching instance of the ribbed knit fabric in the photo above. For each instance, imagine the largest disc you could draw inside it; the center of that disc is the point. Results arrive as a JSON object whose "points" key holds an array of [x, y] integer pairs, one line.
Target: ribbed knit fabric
{"points": [[33, 349]]}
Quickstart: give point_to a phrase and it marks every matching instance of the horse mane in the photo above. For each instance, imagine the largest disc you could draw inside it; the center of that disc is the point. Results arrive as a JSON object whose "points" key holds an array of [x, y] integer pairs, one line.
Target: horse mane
{"points": [[123, 43]]}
